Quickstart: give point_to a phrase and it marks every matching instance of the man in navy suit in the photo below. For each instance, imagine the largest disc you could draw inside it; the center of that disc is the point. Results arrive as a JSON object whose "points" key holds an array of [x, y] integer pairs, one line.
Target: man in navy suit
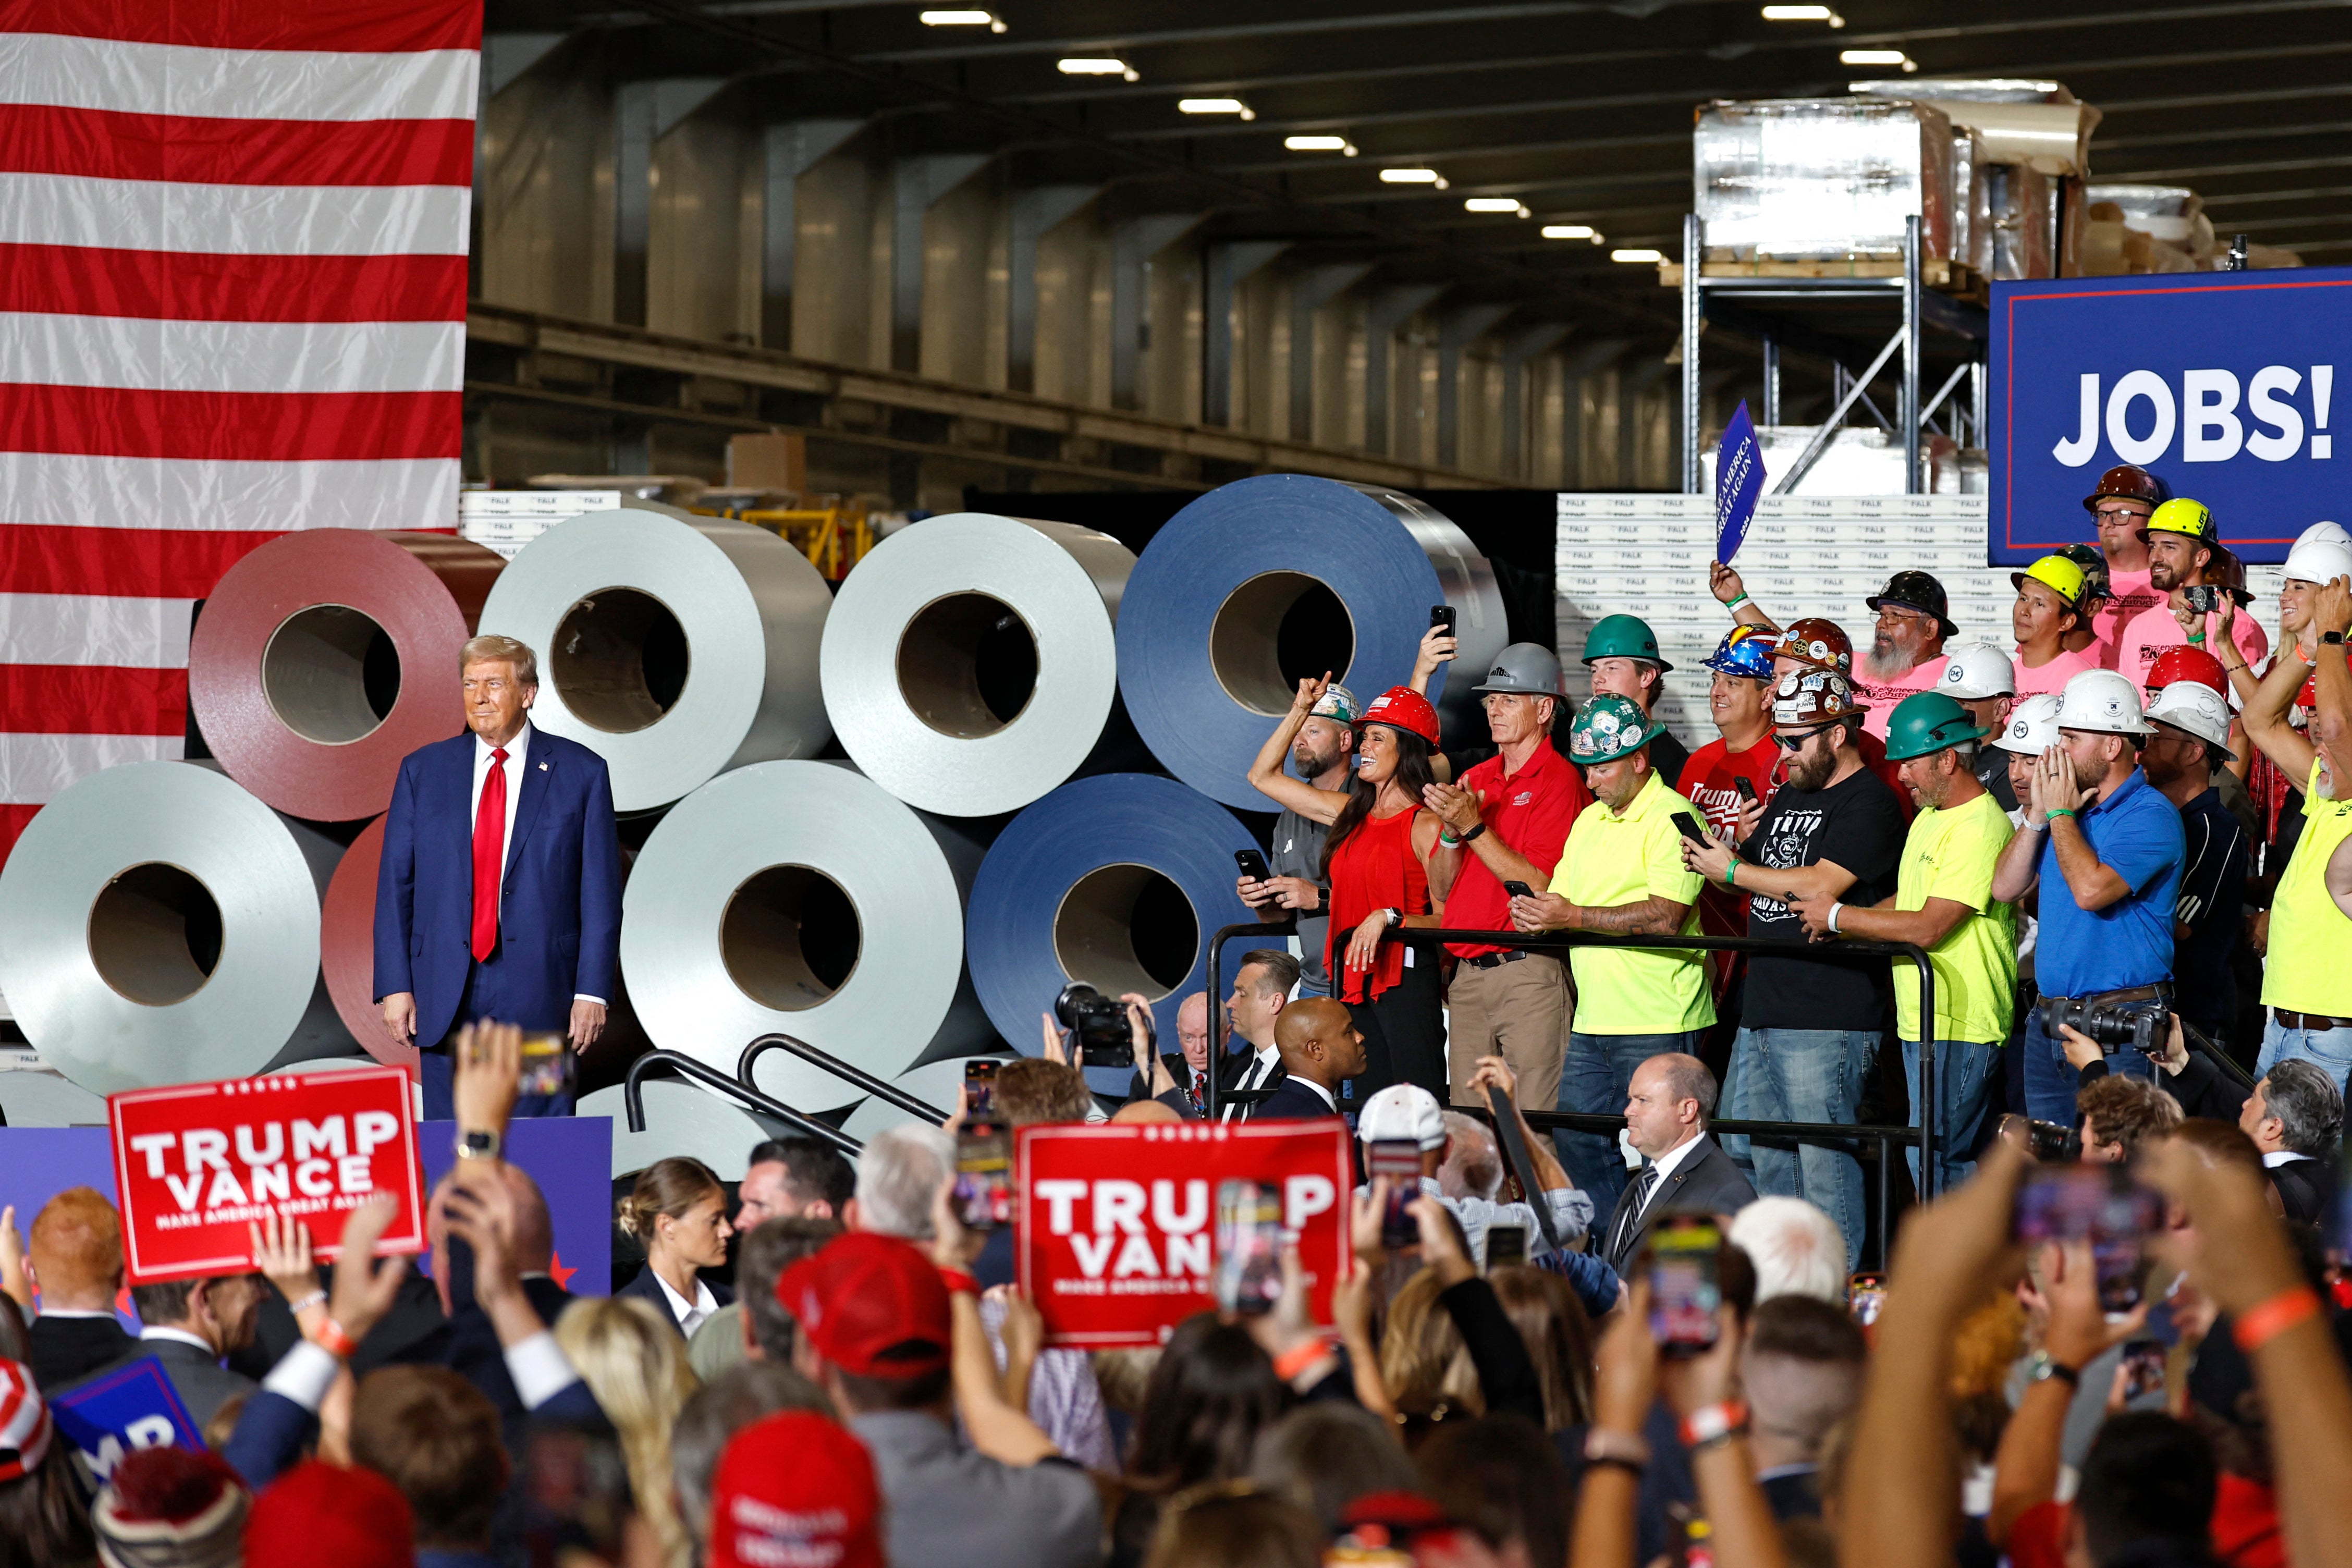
{"points": [[499, 894], [1321, 1050]]}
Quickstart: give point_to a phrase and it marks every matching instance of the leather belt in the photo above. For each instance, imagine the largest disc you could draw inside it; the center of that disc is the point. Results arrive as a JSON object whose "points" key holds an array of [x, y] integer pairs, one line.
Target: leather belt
{"points": [[2288, 1020], [1495, 960]]}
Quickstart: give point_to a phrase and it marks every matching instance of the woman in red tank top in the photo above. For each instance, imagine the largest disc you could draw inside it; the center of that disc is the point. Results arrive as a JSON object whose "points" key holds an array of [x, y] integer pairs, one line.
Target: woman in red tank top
{"points": [[1375, 864]]}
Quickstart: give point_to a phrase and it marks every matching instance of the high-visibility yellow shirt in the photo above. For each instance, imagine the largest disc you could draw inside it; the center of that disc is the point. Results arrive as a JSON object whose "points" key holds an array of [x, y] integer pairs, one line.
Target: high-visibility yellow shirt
{"points": [[1952, 855], [1622, 858], [2310, 965]]}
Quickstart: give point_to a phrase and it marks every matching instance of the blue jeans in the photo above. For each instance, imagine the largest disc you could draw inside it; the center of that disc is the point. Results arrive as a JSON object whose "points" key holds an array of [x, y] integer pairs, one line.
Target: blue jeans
{"points": [[2050, 1080], [1801, 1075], [2327, 1048], [1595, 1079], [1964, 1071]]}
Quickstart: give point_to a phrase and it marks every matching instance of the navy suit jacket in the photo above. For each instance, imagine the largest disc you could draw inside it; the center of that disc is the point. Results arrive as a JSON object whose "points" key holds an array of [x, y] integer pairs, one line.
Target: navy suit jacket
{"points": [[559, 906], [647, 1287]]}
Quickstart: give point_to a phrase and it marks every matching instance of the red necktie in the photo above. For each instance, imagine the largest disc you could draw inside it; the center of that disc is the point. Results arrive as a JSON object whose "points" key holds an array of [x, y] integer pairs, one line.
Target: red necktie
{"points": [[1200, 1088], [489, 855]]}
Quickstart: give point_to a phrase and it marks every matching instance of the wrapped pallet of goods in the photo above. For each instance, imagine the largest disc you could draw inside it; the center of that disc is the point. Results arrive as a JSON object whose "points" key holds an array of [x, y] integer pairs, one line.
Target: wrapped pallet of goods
{"points": [[1827, 180], [2028, 148]]}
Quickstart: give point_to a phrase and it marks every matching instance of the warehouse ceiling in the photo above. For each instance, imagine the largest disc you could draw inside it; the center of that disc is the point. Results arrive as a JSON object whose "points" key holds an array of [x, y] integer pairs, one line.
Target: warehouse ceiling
{"points": [[1580, 113]]}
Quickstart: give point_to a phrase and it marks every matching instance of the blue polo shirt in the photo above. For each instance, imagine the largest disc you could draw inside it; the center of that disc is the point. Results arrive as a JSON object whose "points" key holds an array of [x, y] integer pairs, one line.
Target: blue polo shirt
{"points": [[2136, 833]]}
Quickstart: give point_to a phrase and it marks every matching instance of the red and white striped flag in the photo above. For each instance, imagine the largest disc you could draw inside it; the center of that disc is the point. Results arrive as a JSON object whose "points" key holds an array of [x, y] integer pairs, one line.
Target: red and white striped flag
{"points": [[232, 304]]}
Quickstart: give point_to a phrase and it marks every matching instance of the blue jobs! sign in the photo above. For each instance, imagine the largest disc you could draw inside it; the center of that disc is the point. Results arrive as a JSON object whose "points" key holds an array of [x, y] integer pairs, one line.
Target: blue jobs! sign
{"points": [[2222, 384], [1738, 482]]}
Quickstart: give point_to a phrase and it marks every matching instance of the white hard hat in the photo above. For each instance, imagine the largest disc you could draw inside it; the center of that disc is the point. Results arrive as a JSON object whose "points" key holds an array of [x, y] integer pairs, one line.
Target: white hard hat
{"points": [[1977, 670], [2102, 702], [2033, 726], [2332, 532], [2196, 708], [1402, 1110], [2317, 558]]}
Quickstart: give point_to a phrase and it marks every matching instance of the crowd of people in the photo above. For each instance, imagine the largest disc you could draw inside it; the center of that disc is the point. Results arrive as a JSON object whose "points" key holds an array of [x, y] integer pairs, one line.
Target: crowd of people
{"points": [[1592, 1346]]}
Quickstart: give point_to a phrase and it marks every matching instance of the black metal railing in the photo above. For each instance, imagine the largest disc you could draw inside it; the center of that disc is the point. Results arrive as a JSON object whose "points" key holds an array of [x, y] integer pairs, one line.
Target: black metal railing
{"points": [[1923, 1136], [632, 1097], [855, 1077]]}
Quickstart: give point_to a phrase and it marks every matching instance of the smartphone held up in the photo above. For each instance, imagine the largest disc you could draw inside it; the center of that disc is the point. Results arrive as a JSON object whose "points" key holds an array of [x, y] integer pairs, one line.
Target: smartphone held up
{"points": [[1684, 1266]]}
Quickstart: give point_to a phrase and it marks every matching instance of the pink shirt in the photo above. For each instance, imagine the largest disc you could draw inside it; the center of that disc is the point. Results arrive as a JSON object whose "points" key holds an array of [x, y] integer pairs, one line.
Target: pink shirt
{"points": [[2155, 630], [1881, 696], [2052, 677], [2133, 597]]}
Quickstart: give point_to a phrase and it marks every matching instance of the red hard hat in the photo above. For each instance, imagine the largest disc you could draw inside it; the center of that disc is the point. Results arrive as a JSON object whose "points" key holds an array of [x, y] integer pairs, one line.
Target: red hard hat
{"points": [[1820, 644], [1402, 708], [2181, 662], [2127, 481]]}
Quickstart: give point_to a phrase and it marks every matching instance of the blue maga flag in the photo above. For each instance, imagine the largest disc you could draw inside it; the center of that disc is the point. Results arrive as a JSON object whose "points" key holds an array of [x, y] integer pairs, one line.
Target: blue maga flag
{"points": [[134, 1406], [1738, 482]]}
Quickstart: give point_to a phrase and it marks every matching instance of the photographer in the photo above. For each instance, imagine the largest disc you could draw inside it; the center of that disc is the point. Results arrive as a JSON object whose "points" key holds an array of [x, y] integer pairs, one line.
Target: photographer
{"points": [[1323, 749], [2184, 552], [2105, 848], [2189, 1077]]}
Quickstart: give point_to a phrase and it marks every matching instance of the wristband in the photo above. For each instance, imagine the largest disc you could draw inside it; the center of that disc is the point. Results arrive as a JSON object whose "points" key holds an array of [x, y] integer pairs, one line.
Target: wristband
{"points": [[2197, 638], [1714, 1423], [1472, 834], [1446, 837], [331, 1337], [1831, 920], [1630, 1449], [1735, 603], [1298, 1358], [1729, 870], [2058, 1371], [303, 1304], [2258, 1326], [959, 1280], [2055, 812]]}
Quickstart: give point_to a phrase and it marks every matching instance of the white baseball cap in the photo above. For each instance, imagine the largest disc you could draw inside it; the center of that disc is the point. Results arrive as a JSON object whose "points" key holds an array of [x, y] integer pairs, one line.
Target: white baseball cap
{"points": [[2033, 726], [2102, 701], [1977, 670], [2196, 708], [1402, 1110]]}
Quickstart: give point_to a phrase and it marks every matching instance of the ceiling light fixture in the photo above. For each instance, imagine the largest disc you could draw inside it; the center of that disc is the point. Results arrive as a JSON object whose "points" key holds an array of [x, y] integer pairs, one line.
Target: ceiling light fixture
{"points": [[1640, 258], [987, 19], [1096, 68], [1215, 106], [1495, 205], [1803, 14], [1569, 231], [1412, 177], [1877, 58], [1339, 144]]}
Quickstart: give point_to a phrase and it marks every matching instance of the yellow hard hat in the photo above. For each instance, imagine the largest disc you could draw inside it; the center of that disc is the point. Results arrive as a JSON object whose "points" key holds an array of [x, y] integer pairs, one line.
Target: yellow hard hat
{"points": [[2181, 515], [2058, 574]]}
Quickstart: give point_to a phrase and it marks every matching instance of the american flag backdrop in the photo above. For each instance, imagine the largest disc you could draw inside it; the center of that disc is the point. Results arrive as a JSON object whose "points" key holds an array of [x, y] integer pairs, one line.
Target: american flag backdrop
{"points": [[233, 243]]}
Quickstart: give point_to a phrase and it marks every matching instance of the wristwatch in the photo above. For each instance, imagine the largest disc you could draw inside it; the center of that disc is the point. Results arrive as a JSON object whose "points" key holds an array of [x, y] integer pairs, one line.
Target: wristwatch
{"points": [[2331, 639], [2044, 1367], [478, 1144], [1395, 915]]}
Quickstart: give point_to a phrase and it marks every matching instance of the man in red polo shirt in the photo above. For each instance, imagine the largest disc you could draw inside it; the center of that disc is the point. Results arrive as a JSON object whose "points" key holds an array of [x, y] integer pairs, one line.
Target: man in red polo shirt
{"points": [[1506, 821]]}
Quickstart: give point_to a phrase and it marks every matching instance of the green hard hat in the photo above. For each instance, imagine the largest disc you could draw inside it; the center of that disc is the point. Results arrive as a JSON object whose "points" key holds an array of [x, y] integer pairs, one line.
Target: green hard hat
{"points": [[1623, 637], [1927, 722], [1609, 727]]}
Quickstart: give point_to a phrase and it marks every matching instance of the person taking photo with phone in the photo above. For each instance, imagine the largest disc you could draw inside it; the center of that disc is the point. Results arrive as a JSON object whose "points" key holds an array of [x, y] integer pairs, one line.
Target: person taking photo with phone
{"points": [[1506, 821], [1323, 751], [1623, 873], [2185, 555], [1376, 862]]}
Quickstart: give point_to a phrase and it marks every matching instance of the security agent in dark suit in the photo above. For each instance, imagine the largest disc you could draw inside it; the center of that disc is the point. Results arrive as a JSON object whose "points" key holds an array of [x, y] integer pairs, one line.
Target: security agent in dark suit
{"points": [[1666, 1109], [190, 1325], [2296, 1117], [1320, 1050]]}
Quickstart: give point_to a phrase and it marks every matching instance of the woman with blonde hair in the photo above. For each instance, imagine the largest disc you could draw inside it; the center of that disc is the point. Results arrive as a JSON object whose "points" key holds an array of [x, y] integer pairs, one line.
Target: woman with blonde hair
{"points": [[678, 1211], [1424, 1363], [634, 1361]]}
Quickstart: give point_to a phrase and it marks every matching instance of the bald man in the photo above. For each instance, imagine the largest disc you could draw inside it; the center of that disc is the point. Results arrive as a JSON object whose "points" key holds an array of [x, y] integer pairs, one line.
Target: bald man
{"points": [[1320, 1050]]}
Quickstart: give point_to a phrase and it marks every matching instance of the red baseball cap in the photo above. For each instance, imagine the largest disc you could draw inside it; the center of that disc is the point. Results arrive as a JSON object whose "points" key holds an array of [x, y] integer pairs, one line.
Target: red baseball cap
{"points": [[797, 1488], [317, 1512], [872, 1305]]}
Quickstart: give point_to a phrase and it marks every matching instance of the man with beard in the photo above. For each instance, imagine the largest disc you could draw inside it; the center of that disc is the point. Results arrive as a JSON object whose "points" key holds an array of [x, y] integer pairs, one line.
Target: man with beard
{"points": [[2106, 849], [2183, 545], [1906, 648], [1322, 753], [2120, 507], [1810, 1024], [1945, 901], [1506, 821]]}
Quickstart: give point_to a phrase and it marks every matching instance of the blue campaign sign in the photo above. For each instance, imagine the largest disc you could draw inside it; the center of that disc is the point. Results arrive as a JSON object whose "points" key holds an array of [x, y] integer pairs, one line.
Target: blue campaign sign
{"points": [[1738, 482], [2222, 384], [134, 1406]]}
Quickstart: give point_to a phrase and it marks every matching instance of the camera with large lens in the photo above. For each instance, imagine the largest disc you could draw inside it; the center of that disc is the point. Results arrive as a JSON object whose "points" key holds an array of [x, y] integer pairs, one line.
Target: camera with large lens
{"points": [[1096, 1025], [2139, 1018]]}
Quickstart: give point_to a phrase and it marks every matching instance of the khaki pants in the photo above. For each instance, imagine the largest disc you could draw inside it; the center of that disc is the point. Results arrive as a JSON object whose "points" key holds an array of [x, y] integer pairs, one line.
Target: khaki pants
{"points": [[1518, 1011]]}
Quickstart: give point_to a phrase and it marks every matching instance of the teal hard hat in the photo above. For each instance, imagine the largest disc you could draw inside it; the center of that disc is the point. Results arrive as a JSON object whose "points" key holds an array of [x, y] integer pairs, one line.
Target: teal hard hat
{"points": [[1609, 727], [1928, 721], [1623, 637]]}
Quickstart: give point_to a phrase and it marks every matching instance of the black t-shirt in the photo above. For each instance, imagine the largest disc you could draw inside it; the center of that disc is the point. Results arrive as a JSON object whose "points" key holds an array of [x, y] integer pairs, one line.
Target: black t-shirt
{"points": [[1858, 824], [2213, 892]]}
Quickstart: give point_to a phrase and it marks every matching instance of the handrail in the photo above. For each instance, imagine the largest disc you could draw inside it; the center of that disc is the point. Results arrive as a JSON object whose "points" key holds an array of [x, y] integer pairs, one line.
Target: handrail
{"points": [[853, 1077], [2201, 1042], [1562, 940], [633, 1096]]}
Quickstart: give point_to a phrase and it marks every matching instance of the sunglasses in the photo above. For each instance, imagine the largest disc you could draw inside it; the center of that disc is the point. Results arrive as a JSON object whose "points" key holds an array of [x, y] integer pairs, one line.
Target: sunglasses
{"points": [[1796, 743]]}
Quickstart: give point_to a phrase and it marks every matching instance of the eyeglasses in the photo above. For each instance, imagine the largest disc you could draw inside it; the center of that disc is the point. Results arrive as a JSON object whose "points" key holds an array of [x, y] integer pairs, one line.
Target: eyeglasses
{"points": [[2119, 514], [1897, 614], [1796, 743]]}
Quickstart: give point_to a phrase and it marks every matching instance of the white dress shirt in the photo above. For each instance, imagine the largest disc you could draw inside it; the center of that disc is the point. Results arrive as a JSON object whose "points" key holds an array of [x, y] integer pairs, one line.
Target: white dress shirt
{"points": [[2277, 1157], [517, 749], [181, 1336], [1665, 1165], [690, 1315], [1261, 1068]]}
